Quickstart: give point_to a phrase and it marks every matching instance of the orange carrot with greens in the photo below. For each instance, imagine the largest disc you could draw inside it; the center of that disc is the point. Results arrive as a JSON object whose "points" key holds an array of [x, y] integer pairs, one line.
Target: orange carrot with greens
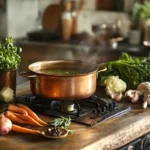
{"points": [[27, 119], [20, 129], [13, 118], [14, 108], [32, 114]]}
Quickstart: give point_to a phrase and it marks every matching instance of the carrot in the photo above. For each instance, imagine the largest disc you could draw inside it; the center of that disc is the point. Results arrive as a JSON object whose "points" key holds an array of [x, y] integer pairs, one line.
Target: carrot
{"points": [[20, 129], [27, 119], [14, 108], [13, 118], [32, 114]]}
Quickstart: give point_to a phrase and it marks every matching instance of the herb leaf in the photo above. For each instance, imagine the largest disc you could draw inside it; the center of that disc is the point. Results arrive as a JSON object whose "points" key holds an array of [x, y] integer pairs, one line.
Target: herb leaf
{"points": [[61, 122]]}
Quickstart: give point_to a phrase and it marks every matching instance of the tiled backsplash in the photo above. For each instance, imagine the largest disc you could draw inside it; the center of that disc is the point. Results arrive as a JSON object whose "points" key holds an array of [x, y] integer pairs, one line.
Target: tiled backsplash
{"points": [[21, 17]]}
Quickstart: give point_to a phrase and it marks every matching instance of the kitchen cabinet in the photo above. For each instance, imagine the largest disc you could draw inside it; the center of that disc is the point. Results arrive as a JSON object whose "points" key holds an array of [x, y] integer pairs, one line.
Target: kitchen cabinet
{"points": [[106, 5], [115, 5]]}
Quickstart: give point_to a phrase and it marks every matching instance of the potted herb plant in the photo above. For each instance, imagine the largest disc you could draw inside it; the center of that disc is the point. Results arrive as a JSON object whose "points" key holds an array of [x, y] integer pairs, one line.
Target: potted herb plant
{"points": [[9, 62], [139, 14]]}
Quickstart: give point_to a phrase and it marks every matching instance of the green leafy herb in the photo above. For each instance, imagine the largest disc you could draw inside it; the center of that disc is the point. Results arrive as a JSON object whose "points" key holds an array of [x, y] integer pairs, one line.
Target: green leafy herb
{"points": [[61, 122], [132, 70], [9, 54]]}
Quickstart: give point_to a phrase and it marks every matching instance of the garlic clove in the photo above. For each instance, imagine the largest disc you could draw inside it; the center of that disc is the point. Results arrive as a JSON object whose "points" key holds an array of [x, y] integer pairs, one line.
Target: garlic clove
{"points": [[145, 104], [147, 98], [117, 96]]}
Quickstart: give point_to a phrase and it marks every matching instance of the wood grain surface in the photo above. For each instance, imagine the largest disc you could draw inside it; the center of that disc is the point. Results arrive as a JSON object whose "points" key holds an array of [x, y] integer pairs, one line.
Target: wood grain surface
{"points": [[108, 135]]}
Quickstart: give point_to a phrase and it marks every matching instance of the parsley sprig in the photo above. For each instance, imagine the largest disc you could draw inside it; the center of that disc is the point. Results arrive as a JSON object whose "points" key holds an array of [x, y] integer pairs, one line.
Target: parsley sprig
{"points": [[62, 122], [9, 54]]}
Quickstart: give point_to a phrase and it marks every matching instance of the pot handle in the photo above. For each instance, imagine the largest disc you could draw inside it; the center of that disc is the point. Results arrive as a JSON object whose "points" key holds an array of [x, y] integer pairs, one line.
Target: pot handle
{"points": [[101, 68], [28, 74]]}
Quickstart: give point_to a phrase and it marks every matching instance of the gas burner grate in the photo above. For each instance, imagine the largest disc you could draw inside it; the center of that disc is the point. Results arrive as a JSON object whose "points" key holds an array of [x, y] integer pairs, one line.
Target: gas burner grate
{"points": [[89, 111]]}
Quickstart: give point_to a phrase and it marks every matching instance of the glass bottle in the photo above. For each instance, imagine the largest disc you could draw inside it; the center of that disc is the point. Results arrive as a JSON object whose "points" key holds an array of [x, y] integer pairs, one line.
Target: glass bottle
{"points": [[74, 18]]}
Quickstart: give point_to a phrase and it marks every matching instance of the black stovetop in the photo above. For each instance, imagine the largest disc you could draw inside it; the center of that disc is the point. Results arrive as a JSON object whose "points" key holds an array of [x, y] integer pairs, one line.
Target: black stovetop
{"points": [[89, 111]]}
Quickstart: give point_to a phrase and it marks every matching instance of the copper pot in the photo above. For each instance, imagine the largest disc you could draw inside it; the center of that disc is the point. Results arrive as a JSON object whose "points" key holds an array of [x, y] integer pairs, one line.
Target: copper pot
{"points": [[72, 87]]}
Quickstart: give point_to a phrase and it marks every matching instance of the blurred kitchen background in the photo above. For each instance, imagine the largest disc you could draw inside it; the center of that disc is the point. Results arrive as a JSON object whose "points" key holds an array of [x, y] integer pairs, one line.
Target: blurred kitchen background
{"points": [[91, 30]]}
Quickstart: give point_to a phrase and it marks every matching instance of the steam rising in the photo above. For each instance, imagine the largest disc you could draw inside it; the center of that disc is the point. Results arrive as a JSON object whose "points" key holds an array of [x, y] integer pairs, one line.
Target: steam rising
{"points": [[90, 51]]}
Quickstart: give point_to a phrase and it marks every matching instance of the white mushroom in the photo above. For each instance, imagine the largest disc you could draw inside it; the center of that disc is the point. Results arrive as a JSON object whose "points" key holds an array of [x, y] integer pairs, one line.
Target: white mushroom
{"points": [[133, 95]]}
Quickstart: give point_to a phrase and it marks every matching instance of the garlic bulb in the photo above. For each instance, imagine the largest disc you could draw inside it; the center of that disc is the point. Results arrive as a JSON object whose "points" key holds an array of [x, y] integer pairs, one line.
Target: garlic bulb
{"points": [[144, 105], [117, 96], [143, 87]]}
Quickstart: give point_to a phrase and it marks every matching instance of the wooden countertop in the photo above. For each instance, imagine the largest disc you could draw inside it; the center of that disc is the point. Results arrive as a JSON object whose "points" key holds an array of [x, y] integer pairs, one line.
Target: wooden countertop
{"points": [[108, 135]]}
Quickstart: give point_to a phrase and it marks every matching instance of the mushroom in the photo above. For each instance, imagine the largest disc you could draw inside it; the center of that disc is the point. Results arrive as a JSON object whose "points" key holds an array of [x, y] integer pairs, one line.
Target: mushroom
{"points": [[133, 95]]}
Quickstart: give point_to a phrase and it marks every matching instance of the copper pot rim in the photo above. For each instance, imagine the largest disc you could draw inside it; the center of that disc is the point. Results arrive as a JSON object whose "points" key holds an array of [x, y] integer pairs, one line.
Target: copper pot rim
{"points": [[90, 67]]}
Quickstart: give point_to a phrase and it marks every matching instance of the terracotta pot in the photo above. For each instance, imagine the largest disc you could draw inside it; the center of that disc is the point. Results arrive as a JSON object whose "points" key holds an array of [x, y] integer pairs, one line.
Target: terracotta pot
{"points": [[69, 87], [8, 78]]}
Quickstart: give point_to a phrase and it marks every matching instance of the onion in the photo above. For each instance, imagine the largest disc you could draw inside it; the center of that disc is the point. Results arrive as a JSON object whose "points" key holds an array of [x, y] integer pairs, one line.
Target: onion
{"points": [[5, 125]]}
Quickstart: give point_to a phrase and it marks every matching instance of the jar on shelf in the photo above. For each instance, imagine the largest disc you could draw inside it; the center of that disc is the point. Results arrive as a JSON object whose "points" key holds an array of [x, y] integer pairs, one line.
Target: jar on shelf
{"points": [[74, 18], [67, 22]]}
